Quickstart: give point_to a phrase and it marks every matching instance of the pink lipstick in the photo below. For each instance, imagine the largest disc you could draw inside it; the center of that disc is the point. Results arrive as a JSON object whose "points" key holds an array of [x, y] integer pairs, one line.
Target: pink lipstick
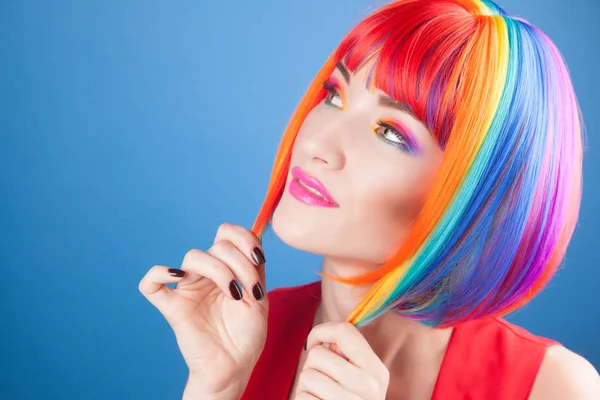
{"points": [[309, 190]]}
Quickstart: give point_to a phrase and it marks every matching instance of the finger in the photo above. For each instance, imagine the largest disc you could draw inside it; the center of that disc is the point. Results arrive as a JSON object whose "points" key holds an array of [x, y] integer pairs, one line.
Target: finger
{"points": [[334, 348], [322, 386], [247, 242], [244, 270], [348, 340], [333, 365], [206, 266], [153, 285]]}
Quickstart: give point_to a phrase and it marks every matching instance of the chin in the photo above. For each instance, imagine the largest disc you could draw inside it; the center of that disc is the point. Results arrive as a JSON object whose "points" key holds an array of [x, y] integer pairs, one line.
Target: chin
{"points": [[319, 231], [304, 228], [294, 229]]}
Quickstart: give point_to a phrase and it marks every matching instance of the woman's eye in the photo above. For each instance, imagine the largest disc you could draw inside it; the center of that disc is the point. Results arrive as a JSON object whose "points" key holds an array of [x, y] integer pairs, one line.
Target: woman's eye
{"points": [[333, 97], [389, 134]]}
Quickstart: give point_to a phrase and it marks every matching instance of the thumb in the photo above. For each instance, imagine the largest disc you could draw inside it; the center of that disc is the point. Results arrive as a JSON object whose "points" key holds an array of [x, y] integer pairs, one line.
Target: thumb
{"points": [[153, 285]]}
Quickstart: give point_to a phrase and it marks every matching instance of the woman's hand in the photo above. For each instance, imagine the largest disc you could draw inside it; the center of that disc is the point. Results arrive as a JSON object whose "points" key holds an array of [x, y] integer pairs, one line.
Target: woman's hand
{"points": [[341, 365], [220, 335]]}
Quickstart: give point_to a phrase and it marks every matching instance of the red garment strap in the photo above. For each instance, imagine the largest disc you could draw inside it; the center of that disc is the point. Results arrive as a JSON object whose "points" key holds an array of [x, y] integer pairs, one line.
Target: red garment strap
{"points": [[490, 359]]}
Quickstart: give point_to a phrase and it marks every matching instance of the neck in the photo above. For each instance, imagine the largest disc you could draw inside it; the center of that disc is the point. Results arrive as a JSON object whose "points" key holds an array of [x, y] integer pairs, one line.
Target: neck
{"points": [[338, 300], [403, 345]]}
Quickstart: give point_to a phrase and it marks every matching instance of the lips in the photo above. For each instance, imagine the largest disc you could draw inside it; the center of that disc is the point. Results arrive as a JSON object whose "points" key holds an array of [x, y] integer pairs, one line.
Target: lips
{"points": [[312, 184]]}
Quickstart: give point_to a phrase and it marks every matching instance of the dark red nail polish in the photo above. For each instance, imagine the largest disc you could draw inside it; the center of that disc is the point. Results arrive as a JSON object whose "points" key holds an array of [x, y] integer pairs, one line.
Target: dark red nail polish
{"points": [[235, 290], [257, 291], [258, 256], [176, 272]]}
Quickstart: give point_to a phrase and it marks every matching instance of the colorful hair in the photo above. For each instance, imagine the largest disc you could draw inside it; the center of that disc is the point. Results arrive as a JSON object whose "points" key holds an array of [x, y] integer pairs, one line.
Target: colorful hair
{"points": [[496, 94]]}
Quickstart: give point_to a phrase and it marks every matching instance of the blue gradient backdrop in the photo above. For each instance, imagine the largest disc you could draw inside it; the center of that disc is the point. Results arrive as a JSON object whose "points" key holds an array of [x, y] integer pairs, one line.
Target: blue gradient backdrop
{"points": [[131, 129]]}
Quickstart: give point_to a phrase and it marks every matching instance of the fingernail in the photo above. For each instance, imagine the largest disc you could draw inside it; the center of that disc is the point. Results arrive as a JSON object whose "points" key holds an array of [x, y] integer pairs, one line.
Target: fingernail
{"points": [[176, 272], [257, 291], [235, 290], [258, 256]]}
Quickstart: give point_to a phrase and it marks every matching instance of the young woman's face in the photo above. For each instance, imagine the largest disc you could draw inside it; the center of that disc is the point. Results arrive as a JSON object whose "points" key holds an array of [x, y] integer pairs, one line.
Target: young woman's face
{"points": [[378, 175]]}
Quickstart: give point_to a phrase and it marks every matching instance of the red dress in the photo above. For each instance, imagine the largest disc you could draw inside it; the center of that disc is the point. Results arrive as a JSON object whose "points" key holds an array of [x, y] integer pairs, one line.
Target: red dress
{"points": [[485, 359]]}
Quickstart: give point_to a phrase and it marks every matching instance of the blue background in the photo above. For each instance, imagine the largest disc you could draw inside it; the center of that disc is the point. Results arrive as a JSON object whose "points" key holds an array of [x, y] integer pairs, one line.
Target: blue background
{"points": [[132, 129]]}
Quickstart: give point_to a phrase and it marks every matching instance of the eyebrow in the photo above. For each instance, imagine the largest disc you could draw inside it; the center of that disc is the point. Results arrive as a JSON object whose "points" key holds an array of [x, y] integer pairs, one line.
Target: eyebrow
{"points": [[340, 66], [384, 100], [389, 102]]}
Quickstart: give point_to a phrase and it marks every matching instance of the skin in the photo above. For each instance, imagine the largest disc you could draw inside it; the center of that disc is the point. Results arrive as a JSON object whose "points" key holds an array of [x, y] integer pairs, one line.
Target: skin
{"points": [[380, 188]]}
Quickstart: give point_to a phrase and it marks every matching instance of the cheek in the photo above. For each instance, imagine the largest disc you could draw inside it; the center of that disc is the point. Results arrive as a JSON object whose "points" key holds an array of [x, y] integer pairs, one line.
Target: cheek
{"points": [[316, 120], [394, 195], [385, 207]]}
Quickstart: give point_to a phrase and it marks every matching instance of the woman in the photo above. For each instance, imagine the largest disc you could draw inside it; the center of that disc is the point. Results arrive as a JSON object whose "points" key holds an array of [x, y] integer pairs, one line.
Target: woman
{"points": [[435, 162]]}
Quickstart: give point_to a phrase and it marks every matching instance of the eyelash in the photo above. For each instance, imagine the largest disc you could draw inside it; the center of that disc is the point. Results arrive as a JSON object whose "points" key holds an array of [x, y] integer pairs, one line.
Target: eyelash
{"points": [[331, 90], [404, 144]]}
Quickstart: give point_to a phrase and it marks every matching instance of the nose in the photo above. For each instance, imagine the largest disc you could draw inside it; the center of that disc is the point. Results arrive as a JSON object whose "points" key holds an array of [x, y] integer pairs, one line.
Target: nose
{"points": [[324, 147]]}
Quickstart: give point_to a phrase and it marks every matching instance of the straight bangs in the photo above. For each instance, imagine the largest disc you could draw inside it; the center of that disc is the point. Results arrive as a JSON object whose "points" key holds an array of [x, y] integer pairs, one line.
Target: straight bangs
{"points": [[416, 58], [497, 96]]}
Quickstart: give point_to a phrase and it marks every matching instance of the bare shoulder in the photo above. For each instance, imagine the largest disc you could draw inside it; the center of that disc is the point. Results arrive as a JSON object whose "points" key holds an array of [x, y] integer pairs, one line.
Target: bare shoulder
{"points": [[565, 375]]}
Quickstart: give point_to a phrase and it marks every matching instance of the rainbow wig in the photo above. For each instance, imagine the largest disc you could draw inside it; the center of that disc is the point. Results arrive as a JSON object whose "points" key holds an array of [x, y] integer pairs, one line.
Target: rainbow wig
{"points": [[496, 94]]}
